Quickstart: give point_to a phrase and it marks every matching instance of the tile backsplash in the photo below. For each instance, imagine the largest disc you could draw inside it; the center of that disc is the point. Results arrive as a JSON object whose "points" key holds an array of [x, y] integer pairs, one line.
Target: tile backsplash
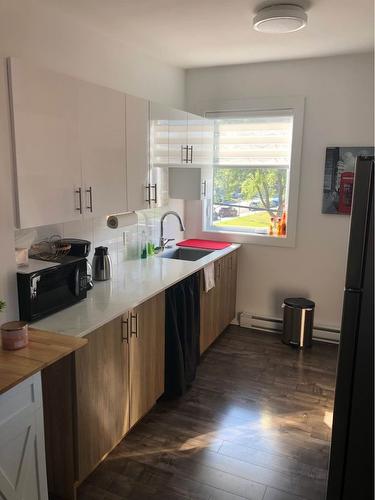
{"points": [[123, 243]]}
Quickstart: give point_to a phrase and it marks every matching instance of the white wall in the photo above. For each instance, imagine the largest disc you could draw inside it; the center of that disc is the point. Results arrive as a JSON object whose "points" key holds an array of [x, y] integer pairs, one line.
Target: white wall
{"points": [[338, 112], [33, 30]]}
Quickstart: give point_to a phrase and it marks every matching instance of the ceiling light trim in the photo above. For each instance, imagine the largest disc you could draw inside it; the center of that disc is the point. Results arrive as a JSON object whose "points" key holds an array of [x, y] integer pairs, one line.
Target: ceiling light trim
{"points": [[283, 18]]}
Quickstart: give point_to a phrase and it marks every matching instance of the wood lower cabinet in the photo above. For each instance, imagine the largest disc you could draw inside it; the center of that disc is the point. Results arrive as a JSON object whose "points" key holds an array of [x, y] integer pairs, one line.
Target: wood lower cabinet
{"points": [[208, 328], [102, 395], [218, 306], [232, 273], [119, 377], [147, 339]]}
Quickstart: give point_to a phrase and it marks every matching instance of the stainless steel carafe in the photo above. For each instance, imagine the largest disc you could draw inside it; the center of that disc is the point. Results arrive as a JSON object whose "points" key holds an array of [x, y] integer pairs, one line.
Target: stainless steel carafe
{"points": [[101, 264]]}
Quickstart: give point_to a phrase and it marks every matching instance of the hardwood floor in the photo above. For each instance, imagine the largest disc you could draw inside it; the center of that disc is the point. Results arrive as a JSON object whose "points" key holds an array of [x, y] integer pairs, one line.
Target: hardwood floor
{"points": [[255, 425]]}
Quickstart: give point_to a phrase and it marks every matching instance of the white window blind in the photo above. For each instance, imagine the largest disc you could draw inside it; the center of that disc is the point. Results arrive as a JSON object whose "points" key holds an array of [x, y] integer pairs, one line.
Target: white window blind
{"points": [[253, 139]]}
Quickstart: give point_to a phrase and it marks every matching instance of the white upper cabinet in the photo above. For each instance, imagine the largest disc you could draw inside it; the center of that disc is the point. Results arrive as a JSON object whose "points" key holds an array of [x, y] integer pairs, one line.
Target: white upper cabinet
{"points": [[177, 137], [103, 153], [200, 140], [159, 154], [70, 149], [139, 190], [159, 134], [47, 152], [190, 183]]}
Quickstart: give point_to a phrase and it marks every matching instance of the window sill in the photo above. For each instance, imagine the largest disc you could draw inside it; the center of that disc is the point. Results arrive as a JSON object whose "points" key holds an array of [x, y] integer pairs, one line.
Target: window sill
{"points": [[255, 239]]}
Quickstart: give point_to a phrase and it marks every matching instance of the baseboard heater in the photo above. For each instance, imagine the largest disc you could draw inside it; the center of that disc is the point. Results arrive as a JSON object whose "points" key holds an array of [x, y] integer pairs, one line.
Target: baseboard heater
{"points": [[275, 325]]}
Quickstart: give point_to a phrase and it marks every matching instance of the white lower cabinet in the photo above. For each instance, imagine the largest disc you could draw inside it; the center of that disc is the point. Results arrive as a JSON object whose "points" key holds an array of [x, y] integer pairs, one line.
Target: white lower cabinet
{"points": [[22, 453]]}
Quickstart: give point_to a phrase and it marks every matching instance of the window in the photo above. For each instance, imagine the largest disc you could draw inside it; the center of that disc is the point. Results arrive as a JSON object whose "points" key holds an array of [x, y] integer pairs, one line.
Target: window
{"points": [[252, 158]]}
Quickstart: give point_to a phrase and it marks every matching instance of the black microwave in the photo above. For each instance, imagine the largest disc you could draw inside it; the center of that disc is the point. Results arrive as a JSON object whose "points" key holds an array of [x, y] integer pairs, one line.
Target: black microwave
{"points": [[47, 287]]}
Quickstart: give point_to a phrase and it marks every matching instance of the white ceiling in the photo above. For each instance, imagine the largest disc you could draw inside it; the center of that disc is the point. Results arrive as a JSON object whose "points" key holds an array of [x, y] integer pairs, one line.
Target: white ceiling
{"points": [[194, 33]]}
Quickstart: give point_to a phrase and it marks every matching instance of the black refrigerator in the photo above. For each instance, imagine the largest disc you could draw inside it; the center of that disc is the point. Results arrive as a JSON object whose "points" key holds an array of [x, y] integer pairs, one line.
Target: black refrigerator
{"points": [[351, 470]]}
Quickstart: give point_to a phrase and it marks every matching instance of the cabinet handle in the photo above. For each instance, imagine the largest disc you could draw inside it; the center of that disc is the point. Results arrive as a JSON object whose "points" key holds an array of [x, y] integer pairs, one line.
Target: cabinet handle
{"points": [[183, 160], [79, 192], [148, 193], [191, 154], [132, 318], [155, 188], [204, 191], [125, 338], [217, 271], [89, 191]]}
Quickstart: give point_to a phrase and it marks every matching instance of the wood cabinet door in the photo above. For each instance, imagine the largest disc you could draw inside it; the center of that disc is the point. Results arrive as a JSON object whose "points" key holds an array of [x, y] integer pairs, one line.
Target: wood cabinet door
{"points": [[103, 149], [218, 306], [232, 273], [208, 323], [223, 294], [146, 343], [102, 394], [137, 153], [46, 145]]}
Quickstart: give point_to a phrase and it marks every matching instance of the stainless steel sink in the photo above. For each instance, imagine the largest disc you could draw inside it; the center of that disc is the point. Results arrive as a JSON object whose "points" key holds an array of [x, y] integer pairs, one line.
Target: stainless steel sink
{"points": [[182, 253]]}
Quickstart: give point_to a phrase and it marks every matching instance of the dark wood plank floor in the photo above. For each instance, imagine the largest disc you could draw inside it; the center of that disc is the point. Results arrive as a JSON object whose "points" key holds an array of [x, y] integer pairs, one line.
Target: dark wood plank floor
{"points": [[255, 425]]}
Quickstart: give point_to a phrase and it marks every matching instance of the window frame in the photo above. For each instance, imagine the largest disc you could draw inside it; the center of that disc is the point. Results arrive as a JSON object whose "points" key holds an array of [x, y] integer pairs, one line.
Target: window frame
{"points": [[296, 106]]}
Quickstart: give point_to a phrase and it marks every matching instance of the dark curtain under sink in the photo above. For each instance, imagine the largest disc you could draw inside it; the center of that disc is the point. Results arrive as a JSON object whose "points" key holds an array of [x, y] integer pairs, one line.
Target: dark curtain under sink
{"points": [[182, 330]]}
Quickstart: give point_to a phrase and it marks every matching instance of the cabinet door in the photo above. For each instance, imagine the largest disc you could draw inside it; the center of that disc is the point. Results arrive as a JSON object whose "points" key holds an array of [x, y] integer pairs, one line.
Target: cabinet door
{"points": [[137, 153], [223, 294], [159, 186], [206, 182], [207, 147], [200, 139], [233, 262], [177, 137], [22, 456], [190, 183], [208, 323], [46, 145], [102, 394], [159, 116], [185, 183], [147, 340], [102, 139], [194, 139]]}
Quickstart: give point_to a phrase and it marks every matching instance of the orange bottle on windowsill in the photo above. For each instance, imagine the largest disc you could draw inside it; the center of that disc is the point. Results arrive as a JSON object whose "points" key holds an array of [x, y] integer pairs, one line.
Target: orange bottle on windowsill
{"points": [[278, 225], [270, 230], [283, 224]]}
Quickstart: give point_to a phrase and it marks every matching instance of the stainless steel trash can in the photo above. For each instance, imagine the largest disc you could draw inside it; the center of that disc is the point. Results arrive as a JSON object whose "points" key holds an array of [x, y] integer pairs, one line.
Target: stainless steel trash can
{"points": [[298, 321]]}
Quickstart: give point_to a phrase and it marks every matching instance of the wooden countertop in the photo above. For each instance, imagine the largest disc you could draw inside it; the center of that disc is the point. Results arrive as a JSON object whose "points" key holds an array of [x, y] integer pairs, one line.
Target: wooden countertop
{"points": [[43, 349]]}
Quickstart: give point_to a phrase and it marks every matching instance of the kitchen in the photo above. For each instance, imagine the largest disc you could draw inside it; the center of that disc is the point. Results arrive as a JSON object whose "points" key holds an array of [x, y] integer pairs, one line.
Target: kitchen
{"points": [[82, 95]]}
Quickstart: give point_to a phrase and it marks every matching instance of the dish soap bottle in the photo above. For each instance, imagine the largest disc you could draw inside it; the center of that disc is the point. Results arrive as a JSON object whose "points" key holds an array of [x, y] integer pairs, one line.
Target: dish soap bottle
{"points": [[143, 246]]}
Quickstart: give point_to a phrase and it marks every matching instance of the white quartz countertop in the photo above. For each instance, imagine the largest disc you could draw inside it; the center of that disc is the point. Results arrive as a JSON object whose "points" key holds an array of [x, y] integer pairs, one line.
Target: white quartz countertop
{"points": [[132, 283]]}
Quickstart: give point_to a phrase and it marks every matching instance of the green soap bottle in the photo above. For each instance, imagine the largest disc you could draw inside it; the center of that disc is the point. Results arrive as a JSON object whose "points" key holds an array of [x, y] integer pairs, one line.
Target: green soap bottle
{"points": [[143, 246]]}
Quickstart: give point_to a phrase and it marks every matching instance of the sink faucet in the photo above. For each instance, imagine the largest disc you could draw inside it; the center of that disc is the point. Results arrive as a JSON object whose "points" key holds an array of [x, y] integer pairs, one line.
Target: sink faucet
{"points": [[164, 241]]}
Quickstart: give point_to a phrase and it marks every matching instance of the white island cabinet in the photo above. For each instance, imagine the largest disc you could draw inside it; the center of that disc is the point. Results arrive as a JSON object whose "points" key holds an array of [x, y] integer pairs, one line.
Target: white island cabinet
{"points": [[22, 453]]}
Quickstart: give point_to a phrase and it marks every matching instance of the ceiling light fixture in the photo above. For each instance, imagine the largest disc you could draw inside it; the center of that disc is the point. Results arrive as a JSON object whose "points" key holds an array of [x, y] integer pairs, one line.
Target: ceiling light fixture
{"points": [[280, 19]]}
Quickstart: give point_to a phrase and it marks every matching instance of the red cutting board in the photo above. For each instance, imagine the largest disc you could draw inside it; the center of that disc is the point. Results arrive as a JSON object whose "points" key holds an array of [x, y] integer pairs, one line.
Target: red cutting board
{"points": [[206, 244]]}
